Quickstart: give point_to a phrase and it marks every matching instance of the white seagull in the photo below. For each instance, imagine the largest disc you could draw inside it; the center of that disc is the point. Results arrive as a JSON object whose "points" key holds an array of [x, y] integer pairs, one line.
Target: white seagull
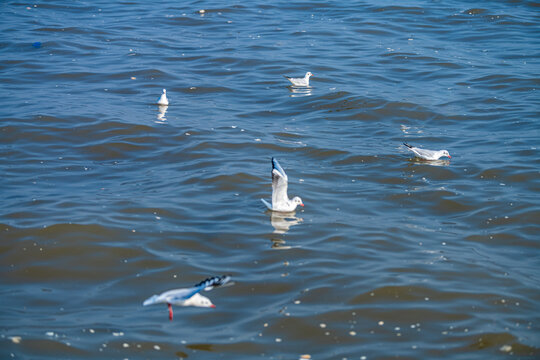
{"points": [[428, 154], [300, 81], [188, 296], [163, 98], [280, 199]]}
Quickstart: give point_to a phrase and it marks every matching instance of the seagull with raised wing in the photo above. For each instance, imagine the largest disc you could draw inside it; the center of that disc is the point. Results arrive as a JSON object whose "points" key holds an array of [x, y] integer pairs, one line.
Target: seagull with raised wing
{"points": [[163, 98], [428, 154], [280, 199], [300, 81], [188, 296]]}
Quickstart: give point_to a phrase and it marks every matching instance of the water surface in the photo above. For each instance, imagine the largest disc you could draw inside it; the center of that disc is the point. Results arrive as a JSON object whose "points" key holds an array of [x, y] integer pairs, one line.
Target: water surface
{"points": [[108, 199]]}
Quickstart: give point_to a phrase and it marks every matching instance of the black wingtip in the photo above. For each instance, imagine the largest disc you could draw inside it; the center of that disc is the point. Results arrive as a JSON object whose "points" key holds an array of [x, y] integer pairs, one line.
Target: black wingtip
{"points": [[214, 281], [407, 145]]}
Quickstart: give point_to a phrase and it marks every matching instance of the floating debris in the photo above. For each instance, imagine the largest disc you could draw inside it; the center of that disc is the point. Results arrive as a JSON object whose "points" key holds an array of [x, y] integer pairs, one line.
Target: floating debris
{"points": [[16, 339], [505, 348]]}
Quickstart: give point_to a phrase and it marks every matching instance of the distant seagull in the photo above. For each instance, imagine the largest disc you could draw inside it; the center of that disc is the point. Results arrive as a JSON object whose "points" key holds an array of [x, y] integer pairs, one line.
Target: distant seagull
{"points": [[300, 81], [280, 199], [163, 98], [188, 296], [428, 154]]}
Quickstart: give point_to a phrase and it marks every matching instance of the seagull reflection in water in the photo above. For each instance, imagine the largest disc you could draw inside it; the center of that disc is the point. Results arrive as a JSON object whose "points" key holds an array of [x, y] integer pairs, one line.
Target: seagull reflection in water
{"points": [[416, 161], [298, 91], [162, 109], [283, 221]]}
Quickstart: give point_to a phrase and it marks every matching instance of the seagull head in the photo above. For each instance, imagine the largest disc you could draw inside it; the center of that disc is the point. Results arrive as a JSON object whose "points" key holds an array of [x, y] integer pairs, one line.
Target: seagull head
{"points": [[164, 91], [296, 200], [308, 74], [445, 153]]}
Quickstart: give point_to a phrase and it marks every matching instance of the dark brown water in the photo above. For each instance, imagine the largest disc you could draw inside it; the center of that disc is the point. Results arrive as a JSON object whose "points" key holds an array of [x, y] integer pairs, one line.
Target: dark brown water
{"points": [[107, 200]]}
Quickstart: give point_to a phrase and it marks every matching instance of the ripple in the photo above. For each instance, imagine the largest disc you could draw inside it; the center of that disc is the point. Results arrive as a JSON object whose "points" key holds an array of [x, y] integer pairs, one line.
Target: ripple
{"points": [[108, 199]]}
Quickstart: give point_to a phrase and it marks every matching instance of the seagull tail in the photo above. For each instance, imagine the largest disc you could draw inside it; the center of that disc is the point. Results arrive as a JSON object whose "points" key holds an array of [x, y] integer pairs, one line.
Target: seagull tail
{"points": [[407, 145], [267, 204]]}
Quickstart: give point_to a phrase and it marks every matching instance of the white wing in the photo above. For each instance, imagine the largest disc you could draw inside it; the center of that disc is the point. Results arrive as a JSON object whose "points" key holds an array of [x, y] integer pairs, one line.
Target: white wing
{"points": [[179, 296], [268, 205], [172, 296], [297, 81], [279, 184], [423, 153]]}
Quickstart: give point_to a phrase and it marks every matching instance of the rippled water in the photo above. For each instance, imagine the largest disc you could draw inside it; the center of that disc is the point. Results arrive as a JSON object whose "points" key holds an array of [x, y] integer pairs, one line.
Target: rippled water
{"points": [[108, 199]]}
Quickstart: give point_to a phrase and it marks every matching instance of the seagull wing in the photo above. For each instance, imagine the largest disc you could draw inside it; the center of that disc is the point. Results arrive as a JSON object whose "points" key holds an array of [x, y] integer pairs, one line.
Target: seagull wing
{"points": [[212, 282], [172, 296], [296, 81], [424, 153], [269, 206], [279, 183], [178, 296]]}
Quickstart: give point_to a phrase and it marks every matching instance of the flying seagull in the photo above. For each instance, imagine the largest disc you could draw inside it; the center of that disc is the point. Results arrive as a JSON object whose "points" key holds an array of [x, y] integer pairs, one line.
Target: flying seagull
{"points": [[300, 81], [428, 154], [188, 296], [280, 199]]}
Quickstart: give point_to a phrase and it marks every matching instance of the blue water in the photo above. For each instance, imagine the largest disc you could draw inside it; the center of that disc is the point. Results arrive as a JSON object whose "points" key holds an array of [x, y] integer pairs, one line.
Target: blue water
{"points": [[108, 198]]}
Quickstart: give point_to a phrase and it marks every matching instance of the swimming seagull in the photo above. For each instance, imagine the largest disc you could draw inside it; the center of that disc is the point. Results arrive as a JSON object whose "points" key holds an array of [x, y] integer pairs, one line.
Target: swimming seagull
{"points": [[300, 81], [188, 296], [280, 199], [163, 98], [428, 154]]}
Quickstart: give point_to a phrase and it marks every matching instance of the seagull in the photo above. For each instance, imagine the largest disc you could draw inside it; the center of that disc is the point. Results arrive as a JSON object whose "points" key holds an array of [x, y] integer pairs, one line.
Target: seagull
{"points": [[188, 296], [428, 154], [300, 81], [280, 199], [163, 98]]}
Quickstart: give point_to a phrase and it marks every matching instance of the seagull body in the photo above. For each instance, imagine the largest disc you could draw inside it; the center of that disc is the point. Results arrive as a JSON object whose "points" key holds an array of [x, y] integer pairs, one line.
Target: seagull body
{"points": [[188, 296], [300, 81], [163, 98], [280, 199], [428, 154]]}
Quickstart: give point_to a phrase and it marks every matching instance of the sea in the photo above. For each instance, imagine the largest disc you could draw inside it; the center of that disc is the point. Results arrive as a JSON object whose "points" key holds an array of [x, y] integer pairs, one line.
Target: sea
{"points": [[108, 198]]}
